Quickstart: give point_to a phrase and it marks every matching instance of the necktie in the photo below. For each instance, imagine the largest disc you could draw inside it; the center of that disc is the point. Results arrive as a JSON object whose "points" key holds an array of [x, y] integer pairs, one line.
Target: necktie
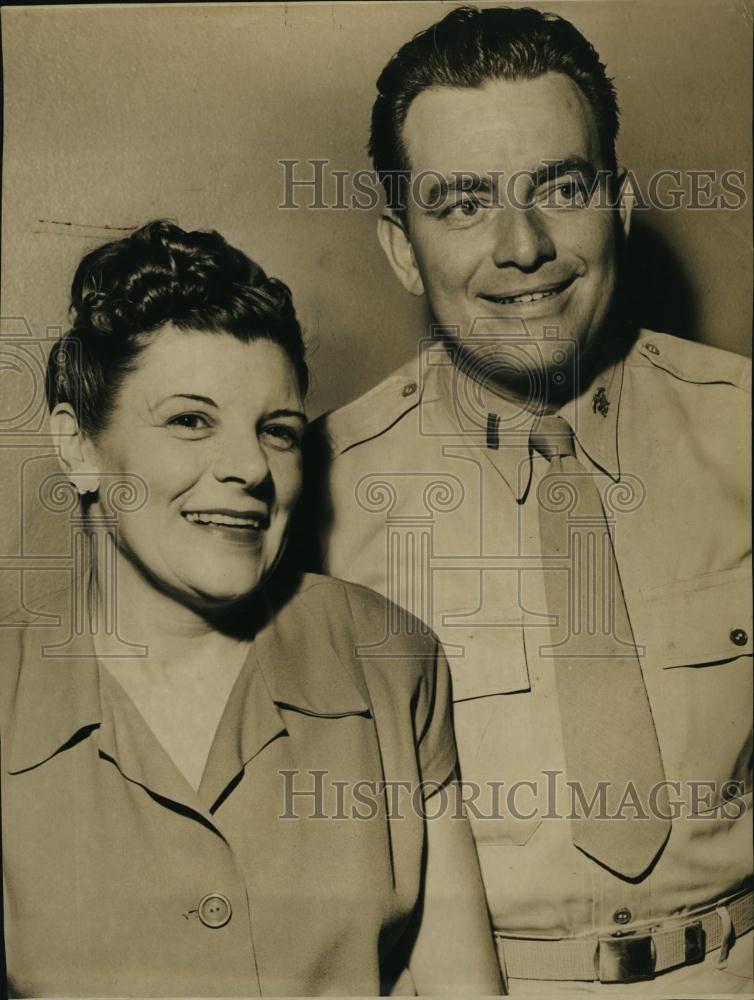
{"points": [[611, 749]]}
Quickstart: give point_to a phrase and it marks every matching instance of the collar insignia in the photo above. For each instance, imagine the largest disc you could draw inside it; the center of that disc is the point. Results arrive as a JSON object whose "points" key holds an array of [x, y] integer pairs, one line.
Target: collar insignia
{"points": [[600, 402], [493, 430]]}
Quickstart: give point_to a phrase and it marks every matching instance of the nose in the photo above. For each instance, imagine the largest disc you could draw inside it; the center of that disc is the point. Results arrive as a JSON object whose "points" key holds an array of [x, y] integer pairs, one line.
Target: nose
{"points": [[522, 239], [240, 458]]}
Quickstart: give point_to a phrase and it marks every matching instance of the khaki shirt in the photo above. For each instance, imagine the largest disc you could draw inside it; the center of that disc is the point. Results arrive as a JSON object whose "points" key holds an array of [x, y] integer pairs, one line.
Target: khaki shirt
{"points": [[108, 852], [433, 502]]}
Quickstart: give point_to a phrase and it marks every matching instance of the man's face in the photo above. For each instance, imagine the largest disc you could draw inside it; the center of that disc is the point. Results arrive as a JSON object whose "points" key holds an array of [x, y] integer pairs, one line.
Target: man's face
{"points": [[536, 250]]}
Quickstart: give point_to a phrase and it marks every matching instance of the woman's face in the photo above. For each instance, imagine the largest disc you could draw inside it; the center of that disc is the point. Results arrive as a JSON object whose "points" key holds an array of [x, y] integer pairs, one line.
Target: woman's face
{"points": [[213, 426]]}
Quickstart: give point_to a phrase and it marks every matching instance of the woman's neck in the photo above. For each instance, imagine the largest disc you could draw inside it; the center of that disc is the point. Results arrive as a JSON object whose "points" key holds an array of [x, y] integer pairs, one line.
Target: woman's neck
{"points": [[176, 667], [129, 611]]}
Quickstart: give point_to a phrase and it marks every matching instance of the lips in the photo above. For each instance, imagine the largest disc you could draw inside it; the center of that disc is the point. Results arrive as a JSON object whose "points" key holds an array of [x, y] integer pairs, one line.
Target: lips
{"points": [[233, 520], [524, 296]]}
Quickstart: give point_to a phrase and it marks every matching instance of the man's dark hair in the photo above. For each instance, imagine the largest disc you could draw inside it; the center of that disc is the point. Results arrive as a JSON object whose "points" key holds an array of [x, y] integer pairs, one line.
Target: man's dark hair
{"points": [[129, 288], [468, 48]]}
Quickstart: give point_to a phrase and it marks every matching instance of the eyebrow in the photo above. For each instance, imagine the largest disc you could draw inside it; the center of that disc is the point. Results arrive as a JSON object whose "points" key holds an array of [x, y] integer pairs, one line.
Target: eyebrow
{"points": [[461, 181], [189, 395], [282, 412], [552, 169], [288, 413]]}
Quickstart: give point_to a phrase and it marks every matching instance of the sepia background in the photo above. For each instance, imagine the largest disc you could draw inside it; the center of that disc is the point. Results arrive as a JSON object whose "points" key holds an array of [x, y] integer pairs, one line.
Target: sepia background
{"points": [[116, 115]]}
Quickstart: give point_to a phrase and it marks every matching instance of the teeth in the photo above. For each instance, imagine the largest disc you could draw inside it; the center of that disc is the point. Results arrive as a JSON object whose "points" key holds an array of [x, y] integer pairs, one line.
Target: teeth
{"points": [[228, 520], [532, 297]]}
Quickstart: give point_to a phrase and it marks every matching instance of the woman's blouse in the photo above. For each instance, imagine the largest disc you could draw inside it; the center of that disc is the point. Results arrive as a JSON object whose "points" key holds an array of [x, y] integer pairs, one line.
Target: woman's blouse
{"points": [[295, 867]]}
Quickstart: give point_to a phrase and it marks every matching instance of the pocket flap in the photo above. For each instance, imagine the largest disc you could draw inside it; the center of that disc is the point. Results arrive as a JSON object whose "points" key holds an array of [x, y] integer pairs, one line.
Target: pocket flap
{"points": [[706, 619], [483, 659]]}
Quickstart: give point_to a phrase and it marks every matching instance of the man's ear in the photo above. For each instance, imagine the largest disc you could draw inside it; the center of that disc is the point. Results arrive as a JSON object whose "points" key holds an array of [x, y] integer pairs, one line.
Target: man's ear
{"points": [[626, 200], [75, 450], [394, 240]]}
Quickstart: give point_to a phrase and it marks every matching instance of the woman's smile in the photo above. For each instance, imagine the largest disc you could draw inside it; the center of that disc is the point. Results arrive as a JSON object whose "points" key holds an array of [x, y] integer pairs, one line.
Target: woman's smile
{"points": [[236, 527]]}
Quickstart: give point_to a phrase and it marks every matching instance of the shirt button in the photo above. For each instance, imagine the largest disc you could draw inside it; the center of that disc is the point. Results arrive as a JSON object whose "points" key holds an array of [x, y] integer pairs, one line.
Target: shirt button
{"points": [[738, 637], [409, 389], [652, 349], [622, 915], [215, 910]]}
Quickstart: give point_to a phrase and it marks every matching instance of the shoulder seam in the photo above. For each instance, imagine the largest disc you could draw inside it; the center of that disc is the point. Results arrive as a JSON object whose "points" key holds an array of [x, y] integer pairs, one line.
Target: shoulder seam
{"points": [[343, 435], [723, 368]]}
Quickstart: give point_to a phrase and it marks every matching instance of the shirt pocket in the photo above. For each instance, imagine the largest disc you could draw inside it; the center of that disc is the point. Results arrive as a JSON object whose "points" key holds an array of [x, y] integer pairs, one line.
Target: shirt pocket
{"points": [[703, 620], [497, 757], [694, 639], [484, 659], [493, 724]]}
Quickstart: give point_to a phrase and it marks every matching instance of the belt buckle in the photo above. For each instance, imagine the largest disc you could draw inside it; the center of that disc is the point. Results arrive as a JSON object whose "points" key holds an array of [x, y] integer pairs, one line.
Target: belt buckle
{"points": [[625, 958], [694, 941], [630, 958]]}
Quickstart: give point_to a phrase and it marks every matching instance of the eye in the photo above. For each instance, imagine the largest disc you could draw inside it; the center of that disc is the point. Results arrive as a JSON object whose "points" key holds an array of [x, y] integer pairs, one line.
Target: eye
{"points": [[282, 436], [468, 206], [568, 192], [188, 422], [467, 210]]}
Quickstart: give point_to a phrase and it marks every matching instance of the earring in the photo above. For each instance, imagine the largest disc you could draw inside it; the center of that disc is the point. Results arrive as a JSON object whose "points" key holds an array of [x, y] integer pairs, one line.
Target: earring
{"points": [[84, 486]]}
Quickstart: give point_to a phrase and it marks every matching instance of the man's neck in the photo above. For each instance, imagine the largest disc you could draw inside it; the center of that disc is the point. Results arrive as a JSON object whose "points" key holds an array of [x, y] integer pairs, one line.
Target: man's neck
{"points": [[543, 391]]}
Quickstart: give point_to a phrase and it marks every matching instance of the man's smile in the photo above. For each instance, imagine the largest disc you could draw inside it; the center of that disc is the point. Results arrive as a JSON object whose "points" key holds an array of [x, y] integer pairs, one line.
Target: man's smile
{"points": [[532, 295]]}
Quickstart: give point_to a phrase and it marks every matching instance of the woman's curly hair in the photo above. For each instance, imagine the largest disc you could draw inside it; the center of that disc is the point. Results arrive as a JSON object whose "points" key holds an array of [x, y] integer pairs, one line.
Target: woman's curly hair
{"points": [[161, 274]]}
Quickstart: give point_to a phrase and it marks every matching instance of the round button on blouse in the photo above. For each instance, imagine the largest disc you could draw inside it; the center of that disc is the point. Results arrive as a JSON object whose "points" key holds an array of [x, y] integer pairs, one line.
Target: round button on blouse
{"points": [[622, 915], [215, 910], [738, 637], [409, 389]]}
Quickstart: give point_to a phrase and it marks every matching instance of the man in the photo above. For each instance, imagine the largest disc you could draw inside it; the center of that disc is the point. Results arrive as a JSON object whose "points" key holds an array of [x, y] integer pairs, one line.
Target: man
{"points": [[563, 499]]}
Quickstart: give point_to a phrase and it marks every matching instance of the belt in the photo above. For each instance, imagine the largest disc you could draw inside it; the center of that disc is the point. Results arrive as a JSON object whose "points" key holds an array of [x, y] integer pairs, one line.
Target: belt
{"points": [[629, 955]]}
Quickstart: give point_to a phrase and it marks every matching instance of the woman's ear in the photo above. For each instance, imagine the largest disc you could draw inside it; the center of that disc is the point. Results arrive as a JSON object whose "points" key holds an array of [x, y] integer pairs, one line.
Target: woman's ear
{"points": [[74, 449], [395, 242]]}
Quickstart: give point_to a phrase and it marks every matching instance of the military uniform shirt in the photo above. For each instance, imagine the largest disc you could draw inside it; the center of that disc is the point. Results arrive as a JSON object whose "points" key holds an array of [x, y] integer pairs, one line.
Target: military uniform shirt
{"points": [[431, 499]]}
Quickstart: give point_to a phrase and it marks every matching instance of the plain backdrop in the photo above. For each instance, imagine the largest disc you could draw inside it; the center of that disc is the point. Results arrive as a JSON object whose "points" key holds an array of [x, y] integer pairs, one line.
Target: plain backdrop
{"points": [[115, 115]]}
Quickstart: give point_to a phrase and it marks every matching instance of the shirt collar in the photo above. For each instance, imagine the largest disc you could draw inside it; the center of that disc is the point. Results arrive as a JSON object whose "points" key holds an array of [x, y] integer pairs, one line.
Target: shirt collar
{"points": [[292, 665], [59, 698], [300, 664], [58, 692], [593, 415], [462, 408]]}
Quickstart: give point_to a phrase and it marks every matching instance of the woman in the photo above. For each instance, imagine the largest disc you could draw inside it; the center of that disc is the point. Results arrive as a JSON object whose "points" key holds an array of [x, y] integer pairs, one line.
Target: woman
{"points": [[200, 766]]}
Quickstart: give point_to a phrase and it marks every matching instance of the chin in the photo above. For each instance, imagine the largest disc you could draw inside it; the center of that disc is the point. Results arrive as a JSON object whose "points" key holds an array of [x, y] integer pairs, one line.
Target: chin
{"points": [[230, 592], [216, 591]]}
